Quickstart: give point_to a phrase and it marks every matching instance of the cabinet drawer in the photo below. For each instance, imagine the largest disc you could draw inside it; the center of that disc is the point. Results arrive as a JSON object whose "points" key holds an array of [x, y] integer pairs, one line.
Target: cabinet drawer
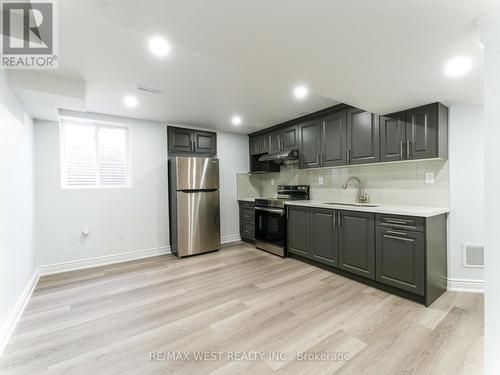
{"points": [[248, 216], [247, 231], [400, 222], [247, 205]]}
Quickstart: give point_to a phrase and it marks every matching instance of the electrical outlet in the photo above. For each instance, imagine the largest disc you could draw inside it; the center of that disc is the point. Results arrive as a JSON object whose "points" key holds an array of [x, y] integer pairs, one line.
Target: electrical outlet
{"points": [[272, 181], [429, 177], [320, 180]]}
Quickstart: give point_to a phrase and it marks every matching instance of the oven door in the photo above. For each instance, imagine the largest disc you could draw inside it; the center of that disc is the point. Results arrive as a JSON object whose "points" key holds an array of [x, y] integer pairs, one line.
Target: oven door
{"points": [[270, 230]]}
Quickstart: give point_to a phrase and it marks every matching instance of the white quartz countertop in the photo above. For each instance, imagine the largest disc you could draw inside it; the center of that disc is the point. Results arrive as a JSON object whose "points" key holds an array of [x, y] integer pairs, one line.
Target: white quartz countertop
{"points": [[247, 199], [381, 209]]}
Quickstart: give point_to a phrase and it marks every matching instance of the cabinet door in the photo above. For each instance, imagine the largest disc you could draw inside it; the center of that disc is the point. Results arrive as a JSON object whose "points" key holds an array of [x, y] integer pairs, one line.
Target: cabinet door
{"points": [[392, 137], [298, 230], [357, 243], [290, 138], [333, 139], [309, 144], [275, 142], [324, 241], [400, 259], [205, 142], [264, 143], [253, 145], [421, 132], [180, 140], [362, 137]]}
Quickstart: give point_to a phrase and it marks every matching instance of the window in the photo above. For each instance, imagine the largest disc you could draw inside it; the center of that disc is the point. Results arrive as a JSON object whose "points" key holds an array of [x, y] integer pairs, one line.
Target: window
{"points": [[94, 155]]}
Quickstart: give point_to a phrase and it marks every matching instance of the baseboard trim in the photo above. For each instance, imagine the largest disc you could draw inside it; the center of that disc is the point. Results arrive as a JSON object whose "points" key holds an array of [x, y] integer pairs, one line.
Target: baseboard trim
{"points": [[230, 238], [466, 285], [14, 316], [51, 269]]}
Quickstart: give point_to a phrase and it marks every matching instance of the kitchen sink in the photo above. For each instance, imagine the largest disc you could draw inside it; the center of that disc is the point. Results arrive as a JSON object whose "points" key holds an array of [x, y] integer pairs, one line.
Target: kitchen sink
{"points": [[352, 204]]}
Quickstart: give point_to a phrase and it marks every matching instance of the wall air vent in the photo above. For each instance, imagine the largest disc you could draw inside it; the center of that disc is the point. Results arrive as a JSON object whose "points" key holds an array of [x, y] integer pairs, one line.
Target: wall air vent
{"points": [[473, 255], [149, 90]]}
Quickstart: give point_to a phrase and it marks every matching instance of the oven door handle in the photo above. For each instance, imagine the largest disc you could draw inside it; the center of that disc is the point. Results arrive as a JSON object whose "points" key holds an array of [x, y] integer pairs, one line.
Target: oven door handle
{"points": [[272, 210]]}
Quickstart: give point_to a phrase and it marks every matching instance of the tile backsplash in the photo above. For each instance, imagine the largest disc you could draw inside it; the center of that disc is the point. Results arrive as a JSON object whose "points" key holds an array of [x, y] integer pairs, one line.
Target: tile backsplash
{"points": [[385, 183]]}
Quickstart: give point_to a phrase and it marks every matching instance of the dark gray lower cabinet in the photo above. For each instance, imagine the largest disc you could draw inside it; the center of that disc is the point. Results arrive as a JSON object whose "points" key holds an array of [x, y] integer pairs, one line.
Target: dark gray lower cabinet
{"points": [[403, 254], [312, 234], [400, 259], [357, 243], [324, 236], [247, 221], [298, 230]]}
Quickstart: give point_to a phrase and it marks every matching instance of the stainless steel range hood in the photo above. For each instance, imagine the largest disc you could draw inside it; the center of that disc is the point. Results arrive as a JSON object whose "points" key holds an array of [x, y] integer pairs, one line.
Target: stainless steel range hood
{"points": [[282, 157]]}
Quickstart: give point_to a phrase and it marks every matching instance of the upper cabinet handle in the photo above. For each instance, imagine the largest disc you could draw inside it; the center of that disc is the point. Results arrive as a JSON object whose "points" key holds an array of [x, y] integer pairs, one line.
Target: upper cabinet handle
{"points": [[408, 144], [401, 150]]}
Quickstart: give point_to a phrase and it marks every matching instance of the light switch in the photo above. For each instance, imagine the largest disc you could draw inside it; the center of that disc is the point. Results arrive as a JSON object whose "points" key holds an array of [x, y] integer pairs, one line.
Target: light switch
{"points": [[272, 181], [320, 180], [429, 177]]}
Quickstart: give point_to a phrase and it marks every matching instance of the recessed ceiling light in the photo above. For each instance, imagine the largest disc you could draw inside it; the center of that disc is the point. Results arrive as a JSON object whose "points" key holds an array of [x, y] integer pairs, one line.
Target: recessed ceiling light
{"points": [[236, 120], [458, 66], [159, 46], [300, 92], [130, 101]]}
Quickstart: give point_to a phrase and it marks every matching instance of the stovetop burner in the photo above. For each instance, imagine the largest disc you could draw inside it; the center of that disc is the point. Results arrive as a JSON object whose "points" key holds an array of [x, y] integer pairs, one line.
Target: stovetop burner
{"points": [[285, 192]]}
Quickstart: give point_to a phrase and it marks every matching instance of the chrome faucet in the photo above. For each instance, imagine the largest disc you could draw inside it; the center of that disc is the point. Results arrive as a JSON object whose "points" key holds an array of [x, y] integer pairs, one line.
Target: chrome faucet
{"points": [[361, 197]]}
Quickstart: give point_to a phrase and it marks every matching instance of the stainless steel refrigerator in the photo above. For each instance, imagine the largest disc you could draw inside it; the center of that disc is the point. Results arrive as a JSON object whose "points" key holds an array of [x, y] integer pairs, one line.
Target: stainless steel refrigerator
{"points": [[194, 205]]}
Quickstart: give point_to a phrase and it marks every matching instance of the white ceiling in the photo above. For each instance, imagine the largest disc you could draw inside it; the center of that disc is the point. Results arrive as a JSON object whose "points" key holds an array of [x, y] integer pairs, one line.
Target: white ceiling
{"points": [[244, 57]]}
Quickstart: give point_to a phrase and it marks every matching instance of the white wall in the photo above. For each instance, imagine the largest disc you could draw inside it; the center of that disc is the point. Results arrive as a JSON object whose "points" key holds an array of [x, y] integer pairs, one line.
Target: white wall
{"points": [[232, 151], [119, 220], [466, 219], [125, 219], [489, 30], [16, 201]]}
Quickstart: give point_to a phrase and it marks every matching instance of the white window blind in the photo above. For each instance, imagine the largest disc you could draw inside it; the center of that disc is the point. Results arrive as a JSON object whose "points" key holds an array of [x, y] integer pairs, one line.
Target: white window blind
{"points": [[94, 155]]}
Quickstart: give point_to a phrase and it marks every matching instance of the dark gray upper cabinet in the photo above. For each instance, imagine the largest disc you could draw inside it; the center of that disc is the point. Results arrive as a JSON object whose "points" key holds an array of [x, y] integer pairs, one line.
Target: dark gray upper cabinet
{"points": [[362, 137], [357, 243], [392, 137], [274, 142], [298, 230], [333, 139], [181, 140], [343, 135], [259, 144], [421, 132], [309, 144], [418, 133], [290, 138], [253, 145], [205, 142], [400, 259], [324, 242], [284, 139]]}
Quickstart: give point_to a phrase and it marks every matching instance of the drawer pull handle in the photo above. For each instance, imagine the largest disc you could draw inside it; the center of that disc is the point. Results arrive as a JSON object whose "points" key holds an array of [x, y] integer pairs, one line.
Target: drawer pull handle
{"points": [[397, 233], [397, 221], [399, 238]]}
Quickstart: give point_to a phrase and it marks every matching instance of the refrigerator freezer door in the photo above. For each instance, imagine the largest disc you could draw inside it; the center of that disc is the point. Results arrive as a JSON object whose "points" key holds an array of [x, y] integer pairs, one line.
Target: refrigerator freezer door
{"points": [[197, 173], [198, 222]]}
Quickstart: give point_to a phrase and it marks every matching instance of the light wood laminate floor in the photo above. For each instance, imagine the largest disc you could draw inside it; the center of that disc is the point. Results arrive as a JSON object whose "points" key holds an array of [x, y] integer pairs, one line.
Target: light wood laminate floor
{"points": [[108, 320]]}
